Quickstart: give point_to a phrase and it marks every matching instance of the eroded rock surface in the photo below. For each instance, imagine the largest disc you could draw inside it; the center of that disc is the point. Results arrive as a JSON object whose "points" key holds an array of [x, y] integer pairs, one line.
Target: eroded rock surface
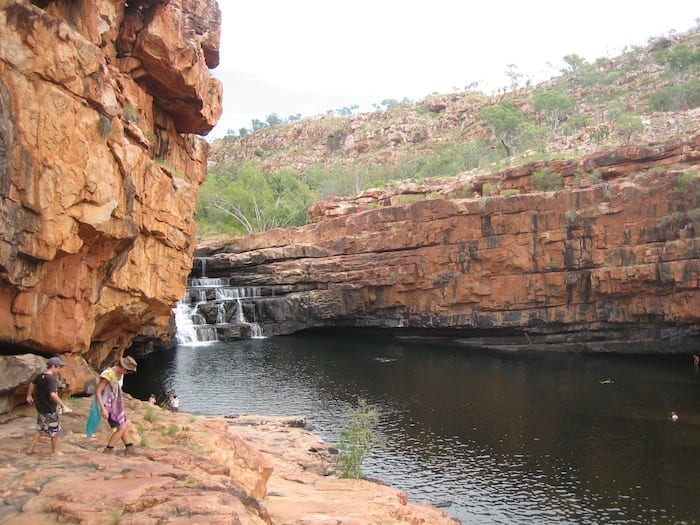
{"points": [[595, 254], [187, 470], [99, 170]]}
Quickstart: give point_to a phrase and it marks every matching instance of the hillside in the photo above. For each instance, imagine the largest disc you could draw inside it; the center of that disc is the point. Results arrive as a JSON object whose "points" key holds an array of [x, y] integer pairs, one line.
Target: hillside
{"points": [[645, 95], [557, 217]]}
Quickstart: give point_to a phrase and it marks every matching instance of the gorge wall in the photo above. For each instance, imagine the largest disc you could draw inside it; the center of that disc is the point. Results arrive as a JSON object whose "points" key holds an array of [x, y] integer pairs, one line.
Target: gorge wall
{"points": [[100, 168], [594, 254]]}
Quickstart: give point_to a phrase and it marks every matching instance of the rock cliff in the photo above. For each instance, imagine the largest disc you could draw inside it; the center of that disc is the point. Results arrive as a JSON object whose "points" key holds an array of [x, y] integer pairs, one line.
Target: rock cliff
{"points": [[100, 167], [594, 254]]}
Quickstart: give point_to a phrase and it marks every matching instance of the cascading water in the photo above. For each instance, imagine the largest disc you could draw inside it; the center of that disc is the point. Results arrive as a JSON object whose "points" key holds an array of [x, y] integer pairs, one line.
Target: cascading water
{"points": [[222, 308], [190, 328]]}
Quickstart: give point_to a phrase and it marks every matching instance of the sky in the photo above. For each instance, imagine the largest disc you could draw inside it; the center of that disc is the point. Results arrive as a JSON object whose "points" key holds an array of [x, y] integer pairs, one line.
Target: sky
{"points": [[310, 56]]}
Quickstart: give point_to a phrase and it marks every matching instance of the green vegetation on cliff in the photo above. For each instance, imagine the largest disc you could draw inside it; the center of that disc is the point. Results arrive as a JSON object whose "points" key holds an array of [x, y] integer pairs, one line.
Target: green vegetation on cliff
{"points": [[268, 177]]}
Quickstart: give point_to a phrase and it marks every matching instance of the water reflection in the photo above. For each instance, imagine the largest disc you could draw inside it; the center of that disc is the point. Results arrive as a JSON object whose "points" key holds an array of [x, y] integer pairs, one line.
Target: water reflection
{"points": [[493, 438]]}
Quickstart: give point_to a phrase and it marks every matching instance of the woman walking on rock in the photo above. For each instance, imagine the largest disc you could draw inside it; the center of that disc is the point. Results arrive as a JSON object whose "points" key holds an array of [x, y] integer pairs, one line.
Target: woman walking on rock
{"points": [[109, 397]]}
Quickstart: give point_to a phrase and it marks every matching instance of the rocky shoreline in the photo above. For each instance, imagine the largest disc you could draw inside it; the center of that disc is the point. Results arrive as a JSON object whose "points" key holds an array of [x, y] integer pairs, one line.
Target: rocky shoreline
{"points": [[188, 469]]}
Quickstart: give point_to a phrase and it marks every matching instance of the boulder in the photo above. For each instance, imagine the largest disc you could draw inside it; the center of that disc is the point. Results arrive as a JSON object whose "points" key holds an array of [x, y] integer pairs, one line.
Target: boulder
{"points": [[16, 372]]}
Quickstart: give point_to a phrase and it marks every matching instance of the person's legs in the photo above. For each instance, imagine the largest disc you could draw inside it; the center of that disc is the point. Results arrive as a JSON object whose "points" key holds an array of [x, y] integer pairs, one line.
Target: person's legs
{"points": [[127, 437], [54, 446], [115, 437], [35, 441]]}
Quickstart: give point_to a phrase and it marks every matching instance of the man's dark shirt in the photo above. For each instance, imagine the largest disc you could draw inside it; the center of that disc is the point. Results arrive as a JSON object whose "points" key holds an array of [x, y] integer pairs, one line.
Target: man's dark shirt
{"points": [[45, 384]]}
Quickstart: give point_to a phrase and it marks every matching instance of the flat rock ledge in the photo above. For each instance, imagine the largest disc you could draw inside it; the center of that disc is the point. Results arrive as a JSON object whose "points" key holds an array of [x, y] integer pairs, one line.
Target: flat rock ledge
{"points": [[186, 469]]}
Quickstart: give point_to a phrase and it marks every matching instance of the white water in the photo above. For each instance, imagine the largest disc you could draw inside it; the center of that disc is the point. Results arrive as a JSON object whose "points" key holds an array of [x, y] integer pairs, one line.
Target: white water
{"points": [[192, 328]]}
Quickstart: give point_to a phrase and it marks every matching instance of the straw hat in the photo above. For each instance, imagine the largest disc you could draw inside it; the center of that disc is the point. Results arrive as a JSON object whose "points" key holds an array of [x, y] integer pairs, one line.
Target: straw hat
{"points": [[128, 363]]}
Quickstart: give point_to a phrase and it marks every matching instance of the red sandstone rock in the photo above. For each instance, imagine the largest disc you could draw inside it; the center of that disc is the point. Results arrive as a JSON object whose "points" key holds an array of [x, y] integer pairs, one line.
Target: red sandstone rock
{"points": [[98, 182], [610, 265], [187, 470]]}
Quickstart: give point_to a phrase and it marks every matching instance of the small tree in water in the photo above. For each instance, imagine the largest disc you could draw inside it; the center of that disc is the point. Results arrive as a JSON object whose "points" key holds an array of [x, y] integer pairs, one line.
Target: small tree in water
{"points": [[356, 440]]}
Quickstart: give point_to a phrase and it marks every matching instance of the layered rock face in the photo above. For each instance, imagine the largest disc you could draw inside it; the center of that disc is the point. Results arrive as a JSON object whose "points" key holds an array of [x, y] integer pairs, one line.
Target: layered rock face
{"points": [[99, 167], [596, 254]]}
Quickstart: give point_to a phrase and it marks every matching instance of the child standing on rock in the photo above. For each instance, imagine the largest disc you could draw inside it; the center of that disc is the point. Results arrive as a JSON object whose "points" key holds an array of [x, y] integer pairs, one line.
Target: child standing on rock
{"points": [[174, 402], [43, 394]]}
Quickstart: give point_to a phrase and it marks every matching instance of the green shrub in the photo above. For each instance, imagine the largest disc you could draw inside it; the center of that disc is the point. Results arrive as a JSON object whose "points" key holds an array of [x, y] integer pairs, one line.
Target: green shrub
{"points": [[144, 440], [680, 59], [489, 189], [547, 180], [115, 518], [451, 159], [409, 198], [356, 440], [104, 125], [688, 182], [575, 123], [150, 416], [677, 97], [130, 113]]}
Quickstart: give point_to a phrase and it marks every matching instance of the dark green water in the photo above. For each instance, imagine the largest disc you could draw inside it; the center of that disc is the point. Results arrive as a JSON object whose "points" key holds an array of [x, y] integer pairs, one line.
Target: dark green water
{"points": [[489, 437]]}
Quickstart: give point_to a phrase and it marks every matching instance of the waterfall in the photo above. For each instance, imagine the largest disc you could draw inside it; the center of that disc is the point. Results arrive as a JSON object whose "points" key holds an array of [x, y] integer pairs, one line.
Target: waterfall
{"points": [[221, 313], [216, 298], [191, 326]]}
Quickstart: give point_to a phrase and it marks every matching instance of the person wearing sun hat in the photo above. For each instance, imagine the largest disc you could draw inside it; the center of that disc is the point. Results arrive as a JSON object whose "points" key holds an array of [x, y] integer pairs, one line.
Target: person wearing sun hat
{"points": [[109, 397], [43, 394]]}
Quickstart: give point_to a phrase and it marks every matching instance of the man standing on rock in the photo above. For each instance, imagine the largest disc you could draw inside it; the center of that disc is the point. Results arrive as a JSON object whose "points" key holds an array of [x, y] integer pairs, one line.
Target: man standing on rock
{"points": [[109, 396], [43, 394]]}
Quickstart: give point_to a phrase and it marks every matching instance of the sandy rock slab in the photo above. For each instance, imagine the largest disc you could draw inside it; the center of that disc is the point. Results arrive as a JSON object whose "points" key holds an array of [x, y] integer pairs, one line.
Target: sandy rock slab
{"points": [[304, 490], [186, 470]]}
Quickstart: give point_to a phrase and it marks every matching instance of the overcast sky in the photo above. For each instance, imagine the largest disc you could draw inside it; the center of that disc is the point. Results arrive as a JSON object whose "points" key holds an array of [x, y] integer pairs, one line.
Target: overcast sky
{"points": [[310, 56]]}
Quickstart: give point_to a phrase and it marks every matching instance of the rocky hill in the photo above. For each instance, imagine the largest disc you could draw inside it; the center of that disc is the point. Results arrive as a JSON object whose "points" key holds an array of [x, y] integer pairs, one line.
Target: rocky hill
{"points": [[406, 130], [588, 243]]}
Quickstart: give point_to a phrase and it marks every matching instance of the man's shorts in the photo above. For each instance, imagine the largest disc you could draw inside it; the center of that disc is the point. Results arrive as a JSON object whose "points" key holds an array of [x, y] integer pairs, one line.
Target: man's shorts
{"points": [[48, 424]]}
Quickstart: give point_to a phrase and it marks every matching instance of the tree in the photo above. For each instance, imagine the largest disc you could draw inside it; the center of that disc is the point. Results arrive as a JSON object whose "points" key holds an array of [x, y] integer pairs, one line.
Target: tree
{"points": [[346, 111], [244, 200], [505, 121], [628, 125], [680, 59], [257, 124], [555, 106], [575, 62], [685, 95], [273, 120], [514, 75]]}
